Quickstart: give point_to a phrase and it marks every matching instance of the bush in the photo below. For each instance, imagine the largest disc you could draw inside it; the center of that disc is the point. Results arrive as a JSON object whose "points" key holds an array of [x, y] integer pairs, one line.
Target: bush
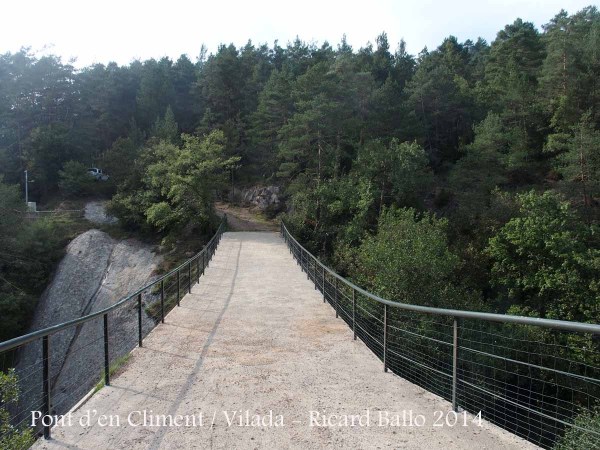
{"points": [[74, 179], [577, 439], [11, 437]]}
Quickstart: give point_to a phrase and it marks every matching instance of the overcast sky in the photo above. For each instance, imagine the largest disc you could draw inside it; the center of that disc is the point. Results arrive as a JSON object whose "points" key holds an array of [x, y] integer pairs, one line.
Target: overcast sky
{"points": [[123, 30]]}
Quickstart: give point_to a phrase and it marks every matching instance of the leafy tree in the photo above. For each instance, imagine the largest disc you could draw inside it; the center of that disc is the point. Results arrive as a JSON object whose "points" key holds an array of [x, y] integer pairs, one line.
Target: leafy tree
{"points": [[440, 98], [580, 163], [482, 169], [166, 129], [399, 172], [11, 437], [47, 149], [177, 184], [275, 107], [408, 260], [510, 88], [548, 261], [156, 91], [566, 81], [74, 179]]}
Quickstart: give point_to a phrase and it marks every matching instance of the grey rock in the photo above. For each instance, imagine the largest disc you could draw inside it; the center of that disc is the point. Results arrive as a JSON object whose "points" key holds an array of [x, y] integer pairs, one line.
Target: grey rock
{"points": [[262, 197], [95, 212], [96, 272]]}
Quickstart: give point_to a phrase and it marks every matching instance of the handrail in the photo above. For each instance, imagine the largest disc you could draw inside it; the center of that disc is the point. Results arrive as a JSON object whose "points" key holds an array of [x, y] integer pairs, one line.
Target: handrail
{"points": [[30, 337], [493, 317], [553, 376]]}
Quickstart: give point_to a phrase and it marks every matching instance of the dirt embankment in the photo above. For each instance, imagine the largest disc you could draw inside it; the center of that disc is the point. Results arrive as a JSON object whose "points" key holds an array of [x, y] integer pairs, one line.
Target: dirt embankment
{"points": [[241, 218]]}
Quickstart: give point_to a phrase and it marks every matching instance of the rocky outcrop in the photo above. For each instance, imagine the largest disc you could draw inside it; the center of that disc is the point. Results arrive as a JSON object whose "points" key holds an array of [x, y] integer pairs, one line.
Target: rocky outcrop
{"points": [[95, 212], [262, 197], [95, 273]]}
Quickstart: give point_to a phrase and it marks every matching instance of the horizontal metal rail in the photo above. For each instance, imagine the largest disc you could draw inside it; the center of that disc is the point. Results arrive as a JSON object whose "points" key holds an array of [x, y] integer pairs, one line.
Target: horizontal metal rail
{"points": [[44, 400], [21, 340], [517, 376], [579, 327]]}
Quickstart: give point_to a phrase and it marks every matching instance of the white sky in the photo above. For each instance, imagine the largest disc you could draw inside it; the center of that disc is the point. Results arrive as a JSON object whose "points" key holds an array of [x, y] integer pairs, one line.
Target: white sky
{"points": [[123, 30]]}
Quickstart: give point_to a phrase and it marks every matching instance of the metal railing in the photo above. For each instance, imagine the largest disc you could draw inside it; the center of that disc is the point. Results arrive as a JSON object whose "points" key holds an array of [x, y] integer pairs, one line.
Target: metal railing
{"points": [[534, 377], [90, 347]]}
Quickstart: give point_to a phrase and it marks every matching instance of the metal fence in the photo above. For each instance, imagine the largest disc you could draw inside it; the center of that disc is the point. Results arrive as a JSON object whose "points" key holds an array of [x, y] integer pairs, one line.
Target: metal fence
{"points": [[537, 378], [57, 366]]}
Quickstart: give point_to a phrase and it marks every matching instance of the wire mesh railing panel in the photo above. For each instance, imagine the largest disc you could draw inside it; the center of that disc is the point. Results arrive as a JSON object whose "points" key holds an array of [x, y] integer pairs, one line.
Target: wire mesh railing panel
{"points": [[537, 378]]}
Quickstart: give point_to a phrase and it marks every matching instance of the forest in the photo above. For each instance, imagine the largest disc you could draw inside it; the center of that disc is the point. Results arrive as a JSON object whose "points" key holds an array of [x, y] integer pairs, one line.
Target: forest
{"points": [[467, 176]]}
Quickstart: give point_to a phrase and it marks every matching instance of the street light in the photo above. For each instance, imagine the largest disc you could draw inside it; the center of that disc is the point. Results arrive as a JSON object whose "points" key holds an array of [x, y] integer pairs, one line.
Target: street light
{"points": [[27, 181]]}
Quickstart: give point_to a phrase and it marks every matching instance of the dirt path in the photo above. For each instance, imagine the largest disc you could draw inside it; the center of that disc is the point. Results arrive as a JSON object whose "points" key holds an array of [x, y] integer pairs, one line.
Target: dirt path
{"points": [[253, 358], [245, 219]]}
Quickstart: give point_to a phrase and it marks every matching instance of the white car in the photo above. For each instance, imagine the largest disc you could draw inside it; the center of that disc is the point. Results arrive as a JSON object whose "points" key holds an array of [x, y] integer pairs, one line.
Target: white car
{"points": [[97, 174]]}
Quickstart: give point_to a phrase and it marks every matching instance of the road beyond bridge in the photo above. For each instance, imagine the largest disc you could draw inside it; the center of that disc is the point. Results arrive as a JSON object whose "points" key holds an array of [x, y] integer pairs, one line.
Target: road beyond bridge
{"points": [[253, 358]]}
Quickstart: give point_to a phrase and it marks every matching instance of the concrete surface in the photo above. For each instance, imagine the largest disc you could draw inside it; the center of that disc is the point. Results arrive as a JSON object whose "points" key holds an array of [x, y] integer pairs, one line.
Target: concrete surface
{"points": [[255, 336]]}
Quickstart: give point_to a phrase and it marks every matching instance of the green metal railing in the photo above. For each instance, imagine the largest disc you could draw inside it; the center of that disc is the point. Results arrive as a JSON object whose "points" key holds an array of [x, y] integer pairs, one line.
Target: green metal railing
{"points": [[36, 379], [532, 376]]}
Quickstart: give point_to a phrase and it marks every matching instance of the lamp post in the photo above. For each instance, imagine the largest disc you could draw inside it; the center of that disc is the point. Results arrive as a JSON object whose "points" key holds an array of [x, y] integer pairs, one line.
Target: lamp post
{"points": [[26, 189], [27, 181]]}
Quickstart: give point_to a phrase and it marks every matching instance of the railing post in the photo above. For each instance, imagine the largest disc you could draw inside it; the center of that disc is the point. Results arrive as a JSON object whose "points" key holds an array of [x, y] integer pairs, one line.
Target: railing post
{"points": [[306, 269], [203, 260], [354, 313], [46, 383], [198, 270], [454, 364], [106, 355], [178, 286], [385, 317], [139, 302], [323, 283], [335, 296], [162, 301], [190, 277]]}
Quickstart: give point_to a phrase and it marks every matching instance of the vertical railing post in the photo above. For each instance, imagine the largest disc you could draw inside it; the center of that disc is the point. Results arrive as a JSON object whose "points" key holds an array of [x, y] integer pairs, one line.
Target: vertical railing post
{"points": [[335, 296], [306, 269], [139, 302], [354, 313], [198, 270], [385, 327], [46, 384], [106, 355], [454, 364], [162, 301], [323, 283], [178, 286], [203, 260], [190, 277]]}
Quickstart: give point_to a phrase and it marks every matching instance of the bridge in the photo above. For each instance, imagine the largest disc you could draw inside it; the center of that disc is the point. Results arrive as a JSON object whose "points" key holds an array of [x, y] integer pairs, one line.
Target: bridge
{"points": [[270, 348]]}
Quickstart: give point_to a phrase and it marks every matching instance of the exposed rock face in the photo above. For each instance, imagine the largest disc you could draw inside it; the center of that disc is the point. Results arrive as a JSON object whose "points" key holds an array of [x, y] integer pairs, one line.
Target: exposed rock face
{"points": [[262, 197], [96, 212], [95, 273]]}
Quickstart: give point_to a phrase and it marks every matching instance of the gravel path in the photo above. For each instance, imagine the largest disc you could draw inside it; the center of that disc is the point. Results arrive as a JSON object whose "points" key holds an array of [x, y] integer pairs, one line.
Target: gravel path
{"points": [[255, 336]]}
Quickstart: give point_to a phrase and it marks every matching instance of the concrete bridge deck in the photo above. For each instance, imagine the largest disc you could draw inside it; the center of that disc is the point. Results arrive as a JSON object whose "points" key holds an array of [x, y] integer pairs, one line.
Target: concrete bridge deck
{"points": [[255, 338]]}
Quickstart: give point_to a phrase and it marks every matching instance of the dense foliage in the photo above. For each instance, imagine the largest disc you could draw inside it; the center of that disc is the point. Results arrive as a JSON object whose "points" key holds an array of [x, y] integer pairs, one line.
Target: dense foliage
{"points": [[467, 176], [455, 132]]}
